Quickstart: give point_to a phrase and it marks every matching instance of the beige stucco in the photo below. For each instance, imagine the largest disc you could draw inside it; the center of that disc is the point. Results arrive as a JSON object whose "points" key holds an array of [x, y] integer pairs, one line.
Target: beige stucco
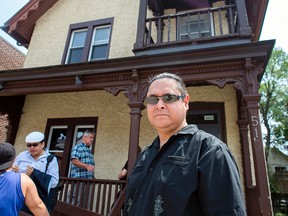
{"points": [[113, 127], [50, 33]]}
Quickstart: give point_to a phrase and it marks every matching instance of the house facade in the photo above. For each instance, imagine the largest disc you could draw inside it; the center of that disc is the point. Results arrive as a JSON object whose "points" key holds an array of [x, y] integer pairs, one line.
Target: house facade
{"points": [[89, 61]]}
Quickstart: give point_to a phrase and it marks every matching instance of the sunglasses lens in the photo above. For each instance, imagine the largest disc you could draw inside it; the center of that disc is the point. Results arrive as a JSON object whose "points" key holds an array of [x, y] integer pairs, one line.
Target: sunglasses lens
{"points": [[165, 98], [152, 100], [34, 145], [169, 98]]}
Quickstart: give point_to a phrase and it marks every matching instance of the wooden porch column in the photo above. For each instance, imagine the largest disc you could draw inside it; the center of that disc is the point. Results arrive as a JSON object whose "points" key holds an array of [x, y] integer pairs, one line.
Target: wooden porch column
{"points": [[244, 28], [251, 99], [136, 109], [244, 130], [141, 24], [136, 96], [262, 186]]}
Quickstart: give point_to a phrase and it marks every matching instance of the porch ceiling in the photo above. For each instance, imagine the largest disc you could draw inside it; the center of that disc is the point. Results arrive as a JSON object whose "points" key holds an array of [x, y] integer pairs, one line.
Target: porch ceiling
{"points": [[196, 67]]}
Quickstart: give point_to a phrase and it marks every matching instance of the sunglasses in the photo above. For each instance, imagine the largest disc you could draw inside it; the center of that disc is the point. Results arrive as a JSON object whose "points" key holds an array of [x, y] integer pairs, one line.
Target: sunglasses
{"points": [[32, 144], [168, 98]]}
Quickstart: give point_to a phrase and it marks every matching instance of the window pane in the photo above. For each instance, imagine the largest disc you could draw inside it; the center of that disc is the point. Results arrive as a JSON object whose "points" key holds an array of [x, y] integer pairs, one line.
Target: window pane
{"points": [[79, 39], [102, 34], [99, 52], [75, 55], [57, 138], [99, 47]]}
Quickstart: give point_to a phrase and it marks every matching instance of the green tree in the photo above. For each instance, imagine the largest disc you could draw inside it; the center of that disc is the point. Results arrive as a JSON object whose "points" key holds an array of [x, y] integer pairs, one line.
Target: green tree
{"points": [[274, 101]]}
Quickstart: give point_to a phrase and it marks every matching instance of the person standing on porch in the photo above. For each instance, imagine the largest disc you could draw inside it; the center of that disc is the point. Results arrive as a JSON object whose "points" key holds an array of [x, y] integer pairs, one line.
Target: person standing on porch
{"points": [[185, 171], [83, 164]]}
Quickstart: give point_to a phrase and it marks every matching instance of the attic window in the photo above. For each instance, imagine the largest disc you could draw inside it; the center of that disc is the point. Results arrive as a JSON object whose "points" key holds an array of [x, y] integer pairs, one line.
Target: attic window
{"points": [[88, 41]]}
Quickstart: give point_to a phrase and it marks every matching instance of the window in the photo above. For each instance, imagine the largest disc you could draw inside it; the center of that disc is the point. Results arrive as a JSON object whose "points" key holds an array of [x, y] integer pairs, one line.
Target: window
{"points": [[63, 134], [195, 26], [76, 49], [100, 42], [280, 169], [88, 41]]}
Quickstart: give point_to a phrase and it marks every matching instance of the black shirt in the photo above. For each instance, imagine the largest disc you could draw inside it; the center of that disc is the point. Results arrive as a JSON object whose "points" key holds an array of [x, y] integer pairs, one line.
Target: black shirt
{"points": [[194, 173]]}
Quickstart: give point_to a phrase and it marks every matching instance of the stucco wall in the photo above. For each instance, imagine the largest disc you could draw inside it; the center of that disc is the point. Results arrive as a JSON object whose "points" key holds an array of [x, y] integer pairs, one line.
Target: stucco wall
{"points": [[51, 30], [114, 121]]}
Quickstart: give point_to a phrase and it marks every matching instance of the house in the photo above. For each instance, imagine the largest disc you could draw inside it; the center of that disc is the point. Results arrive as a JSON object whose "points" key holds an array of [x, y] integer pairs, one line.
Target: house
{"points": [[10, 58], [87, 67], [277, 162]]}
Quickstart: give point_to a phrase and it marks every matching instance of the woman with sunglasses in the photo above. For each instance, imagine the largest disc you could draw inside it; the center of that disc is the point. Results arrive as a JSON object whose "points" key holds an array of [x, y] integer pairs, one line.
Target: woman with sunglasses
{"points": [[33, 162], [185, 171]]}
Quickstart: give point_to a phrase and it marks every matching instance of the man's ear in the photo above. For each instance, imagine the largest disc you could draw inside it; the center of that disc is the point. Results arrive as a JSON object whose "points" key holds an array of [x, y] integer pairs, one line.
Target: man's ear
{"points": [[186, 101]]}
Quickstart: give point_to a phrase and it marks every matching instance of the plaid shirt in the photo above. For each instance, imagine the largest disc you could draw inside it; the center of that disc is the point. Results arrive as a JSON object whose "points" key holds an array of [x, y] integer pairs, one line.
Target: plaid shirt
{"points": [[82, 153]]}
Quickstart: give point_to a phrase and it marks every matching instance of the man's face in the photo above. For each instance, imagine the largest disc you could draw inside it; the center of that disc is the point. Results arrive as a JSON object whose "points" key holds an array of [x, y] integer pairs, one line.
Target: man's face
{"points": [[167, 117], [88, 139], [35, 149]]}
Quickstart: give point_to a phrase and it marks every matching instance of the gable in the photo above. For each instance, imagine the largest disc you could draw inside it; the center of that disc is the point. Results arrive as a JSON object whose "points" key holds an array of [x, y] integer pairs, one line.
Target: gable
{"points": [[276, 157]]}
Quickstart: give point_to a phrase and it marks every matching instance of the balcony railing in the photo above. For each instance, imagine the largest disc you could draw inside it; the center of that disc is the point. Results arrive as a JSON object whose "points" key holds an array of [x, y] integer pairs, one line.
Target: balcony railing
{"points": [[90, 197], [197, 25]]}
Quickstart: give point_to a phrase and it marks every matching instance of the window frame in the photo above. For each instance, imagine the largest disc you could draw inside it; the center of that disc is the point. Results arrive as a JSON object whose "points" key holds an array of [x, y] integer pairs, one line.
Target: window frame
{"points": [[90, 26]]}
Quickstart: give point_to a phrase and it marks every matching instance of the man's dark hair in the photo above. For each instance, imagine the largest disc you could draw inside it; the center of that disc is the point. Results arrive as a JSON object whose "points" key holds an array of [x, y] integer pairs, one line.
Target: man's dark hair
{"points": [[181, 84]]}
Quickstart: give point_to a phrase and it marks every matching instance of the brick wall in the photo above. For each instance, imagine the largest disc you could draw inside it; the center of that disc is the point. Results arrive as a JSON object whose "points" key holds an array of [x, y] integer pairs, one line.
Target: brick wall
{"points": [[10, 57], [3, 127]]}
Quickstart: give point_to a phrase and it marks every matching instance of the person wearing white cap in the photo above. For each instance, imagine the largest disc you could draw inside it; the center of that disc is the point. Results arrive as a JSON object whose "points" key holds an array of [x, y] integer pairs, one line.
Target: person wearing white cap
{"points": [[16, 188], [33, 162]]}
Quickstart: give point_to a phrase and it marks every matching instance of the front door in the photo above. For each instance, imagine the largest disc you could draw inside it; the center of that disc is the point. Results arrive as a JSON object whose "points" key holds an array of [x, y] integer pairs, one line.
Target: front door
{"points": [[63, 134], [208, 117]]}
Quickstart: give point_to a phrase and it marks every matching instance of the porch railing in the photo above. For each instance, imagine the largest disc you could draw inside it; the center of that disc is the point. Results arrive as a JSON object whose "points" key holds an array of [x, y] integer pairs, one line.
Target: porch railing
{"points": [[280, 203], [98, 196], [218, 22]]}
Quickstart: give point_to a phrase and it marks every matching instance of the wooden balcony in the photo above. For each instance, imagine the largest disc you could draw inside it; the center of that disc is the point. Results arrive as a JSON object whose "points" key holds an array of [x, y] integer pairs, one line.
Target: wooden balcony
{"points": [[95, 197], [193, 29]]}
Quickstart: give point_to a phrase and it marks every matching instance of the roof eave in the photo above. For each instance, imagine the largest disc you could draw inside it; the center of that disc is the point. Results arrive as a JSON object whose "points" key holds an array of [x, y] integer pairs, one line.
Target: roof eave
{"points": [[21, 25]]}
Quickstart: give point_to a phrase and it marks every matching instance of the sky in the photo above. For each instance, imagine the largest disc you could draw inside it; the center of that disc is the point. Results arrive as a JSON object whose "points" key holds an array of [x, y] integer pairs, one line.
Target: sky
{"points": [[275, 26]]}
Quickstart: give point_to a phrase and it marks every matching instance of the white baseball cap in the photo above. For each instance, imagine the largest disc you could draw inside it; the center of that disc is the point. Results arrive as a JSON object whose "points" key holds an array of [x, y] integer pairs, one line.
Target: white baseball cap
{"points": [[34, 137]]}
